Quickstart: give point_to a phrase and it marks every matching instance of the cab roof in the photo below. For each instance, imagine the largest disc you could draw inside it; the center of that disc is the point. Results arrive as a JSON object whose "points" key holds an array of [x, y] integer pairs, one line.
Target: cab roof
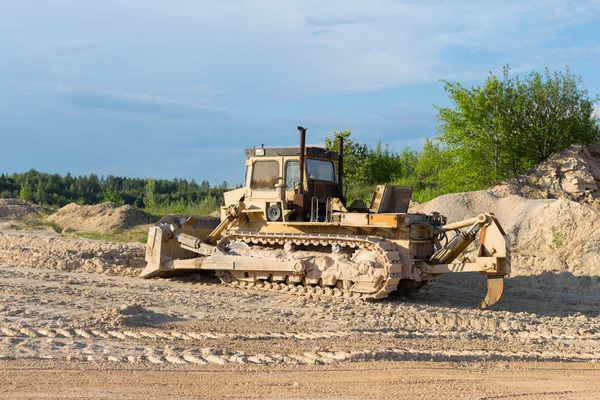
{"points": [[311, 151]]}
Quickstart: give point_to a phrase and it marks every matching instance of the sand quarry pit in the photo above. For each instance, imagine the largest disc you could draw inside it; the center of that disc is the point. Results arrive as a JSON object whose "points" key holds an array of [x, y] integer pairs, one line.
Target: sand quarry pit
{"points": [[75, 321]]}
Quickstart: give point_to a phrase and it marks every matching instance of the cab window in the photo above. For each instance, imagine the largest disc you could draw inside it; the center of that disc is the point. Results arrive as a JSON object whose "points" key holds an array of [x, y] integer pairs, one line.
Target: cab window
{"points": [[320, 170], [265, 175], [291, 174]]}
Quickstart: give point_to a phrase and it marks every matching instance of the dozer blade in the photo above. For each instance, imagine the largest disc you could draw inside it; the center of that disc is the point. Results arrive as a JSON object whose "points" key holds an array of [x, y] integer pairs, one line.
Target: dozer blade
{"points": [[495, 289], [164, 255]]}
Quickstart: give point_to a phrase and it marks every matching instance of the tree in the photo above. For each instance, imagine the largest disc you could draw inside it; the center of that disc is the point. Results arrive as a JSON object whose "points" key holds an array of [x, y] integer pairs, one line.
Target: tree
{"points": [[139, 203], [112, 195], [555, 111], [26, 192], [408, 161], [150, 197], [364, 164], [509, 124], [356, 168], [41, 197]]}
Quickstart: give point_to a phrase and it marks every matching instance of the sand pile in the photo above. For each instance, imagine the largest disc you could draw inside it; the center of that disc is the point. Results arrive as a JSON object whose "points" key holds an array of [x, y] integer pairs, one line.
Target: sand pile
{"points": [[551, 212], [546, 235], [126, 315], [105, 217], [573, 173], [15, 209], [27, 250]]}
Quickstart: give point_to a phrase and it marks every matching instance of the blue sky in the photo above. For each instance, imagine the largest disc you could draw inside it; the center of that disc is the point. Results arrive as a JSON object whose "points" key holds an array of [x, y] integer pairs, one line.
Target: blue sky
{"points": [[179, 88]]}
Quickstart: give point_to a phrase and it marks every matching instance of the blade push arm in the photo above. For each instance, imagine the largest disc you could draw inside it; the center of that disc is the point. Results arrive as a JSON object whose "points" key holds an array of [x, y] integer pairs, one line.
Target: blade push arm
{"points": [[493, 255], [171, 248]]}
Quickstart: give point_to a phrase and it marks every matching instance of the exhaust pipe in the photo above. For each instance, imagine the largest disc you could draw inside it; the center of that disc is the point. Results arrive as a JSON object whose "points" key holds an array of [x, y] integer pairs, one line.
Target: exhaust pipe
{"points": [[301, 160], [341, 168]]}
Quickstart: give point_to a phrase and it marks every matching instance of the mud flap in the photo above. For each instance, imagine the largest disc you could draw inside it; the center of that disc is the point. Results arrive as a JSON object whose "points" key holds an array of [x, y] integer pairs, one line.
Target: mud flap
{"points": [[495, 289]]}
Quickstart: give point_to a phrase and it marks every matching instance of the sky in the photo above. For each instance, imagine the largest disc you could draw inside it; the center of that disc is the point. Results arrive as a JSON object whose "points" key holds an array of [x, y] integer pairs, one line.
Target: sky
{"points": [[178, 88]]}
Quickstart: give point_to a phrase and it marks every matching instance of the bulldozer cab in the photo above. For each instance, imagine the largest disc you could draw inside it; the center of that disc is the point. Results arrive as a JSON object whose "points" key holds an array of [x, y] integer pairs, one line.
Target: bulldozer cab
{"points": [[275, 177]]}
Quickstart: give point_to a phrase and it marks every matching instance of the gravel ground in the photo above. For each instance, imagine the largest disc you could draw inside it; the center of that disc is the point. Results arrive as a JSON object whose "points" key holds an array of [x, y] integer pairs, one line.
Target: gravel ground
{"points": [[77, 303], [372, 380], [62, 311]]}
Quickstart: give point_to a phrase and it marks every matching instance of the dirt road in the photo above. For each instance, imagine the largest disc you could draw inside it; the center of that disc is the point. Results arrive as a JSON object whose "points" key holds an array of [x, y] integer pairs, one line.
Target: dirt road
{"points": [[376, 380], [83, 316], [76, 322]]}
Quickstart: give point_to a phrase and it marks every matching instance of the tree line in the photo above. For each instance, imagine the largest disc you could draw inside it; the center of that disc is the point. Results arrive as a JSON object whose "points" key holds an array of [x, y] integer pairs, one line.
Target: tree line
{"points": [[158, 196]]}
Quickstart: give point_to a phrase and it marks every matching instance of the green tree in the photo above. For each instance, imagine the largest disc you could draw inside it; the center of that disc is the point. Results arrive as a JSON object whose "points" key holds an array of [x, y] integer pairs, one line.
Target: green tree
{"points": [[384, 165], [112, 195], [41, 197], [552, 111], [496, 130], [408, 161], [139, 203], [356, 164], [149, 194], [26, 192]]}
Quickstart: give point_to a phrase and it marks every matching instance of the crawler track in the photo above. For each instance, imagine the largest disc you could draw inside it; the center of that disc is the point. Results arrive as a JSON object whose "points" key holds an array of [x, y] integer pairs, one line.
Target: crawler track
{"points": [[389, 268]]}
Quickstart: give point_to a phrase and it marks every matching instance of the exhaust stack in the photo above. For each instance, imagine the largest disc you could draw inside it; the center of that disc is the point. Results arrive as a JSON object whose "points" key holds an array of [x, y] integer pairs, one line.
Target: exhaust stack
{"points": [[301, 160], [341, 168]]}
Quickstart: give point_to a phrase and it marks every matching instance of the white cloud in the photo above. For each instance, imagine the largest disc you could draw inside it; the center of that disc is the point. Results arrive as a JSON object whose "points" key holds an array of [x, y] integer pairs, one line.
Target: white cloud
{"points": [[321, 46], [289, 49], [575, 51], [317, 21], [144, 103], [73, 46]]}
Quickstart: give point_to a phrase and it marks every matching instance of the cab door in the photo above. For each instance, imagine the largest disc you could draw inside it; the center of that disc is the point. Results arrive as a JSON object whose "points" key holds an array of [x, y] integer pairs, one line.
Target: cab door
{"points": [[292, 177], [264, 175]]}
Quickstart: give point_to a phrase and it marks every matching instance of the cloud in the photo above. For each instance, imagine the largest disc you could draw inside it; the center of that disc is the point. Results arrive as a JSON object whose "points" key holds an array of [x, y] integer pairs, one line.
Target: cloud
{"points": [[137, 103], [575, 51], [596, 111], [319, 32], [115, 102], [309, 47], [427, 41], [69, 47], [58, 49], [331, 21]]}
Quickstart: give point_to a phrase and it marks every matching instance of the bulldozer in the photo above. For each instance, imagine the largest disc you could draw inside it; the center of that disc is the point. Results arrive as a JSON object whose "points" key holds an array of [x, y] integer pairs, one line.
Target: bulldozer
{"points": [[290, 229]]}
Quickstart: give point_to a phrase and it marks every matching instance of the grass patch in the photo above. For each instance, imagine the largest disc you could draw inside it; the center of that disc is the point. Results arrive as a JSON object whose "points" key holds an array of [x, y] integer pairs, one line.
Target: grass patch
{"points": [[37, 223], [204, 207], [135, 234], [129, 235], [558, 238]]}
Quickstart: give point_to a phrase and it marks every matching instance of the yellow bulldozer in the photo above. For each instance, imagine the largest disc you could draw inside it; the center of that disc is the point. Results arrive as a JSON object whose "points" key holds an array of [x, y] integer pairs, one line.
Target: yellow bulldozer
{"points": [[290, 230]]}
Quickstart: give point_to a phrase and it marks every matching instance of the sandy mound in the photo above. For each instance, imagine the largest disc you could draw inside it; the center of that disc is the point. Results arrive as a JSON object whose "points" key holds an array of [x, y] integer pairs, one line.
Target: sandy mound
{"points": [[546, 235], [127, 315], [70, 254], [15, 209], [573, 173], [105, 217]]}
